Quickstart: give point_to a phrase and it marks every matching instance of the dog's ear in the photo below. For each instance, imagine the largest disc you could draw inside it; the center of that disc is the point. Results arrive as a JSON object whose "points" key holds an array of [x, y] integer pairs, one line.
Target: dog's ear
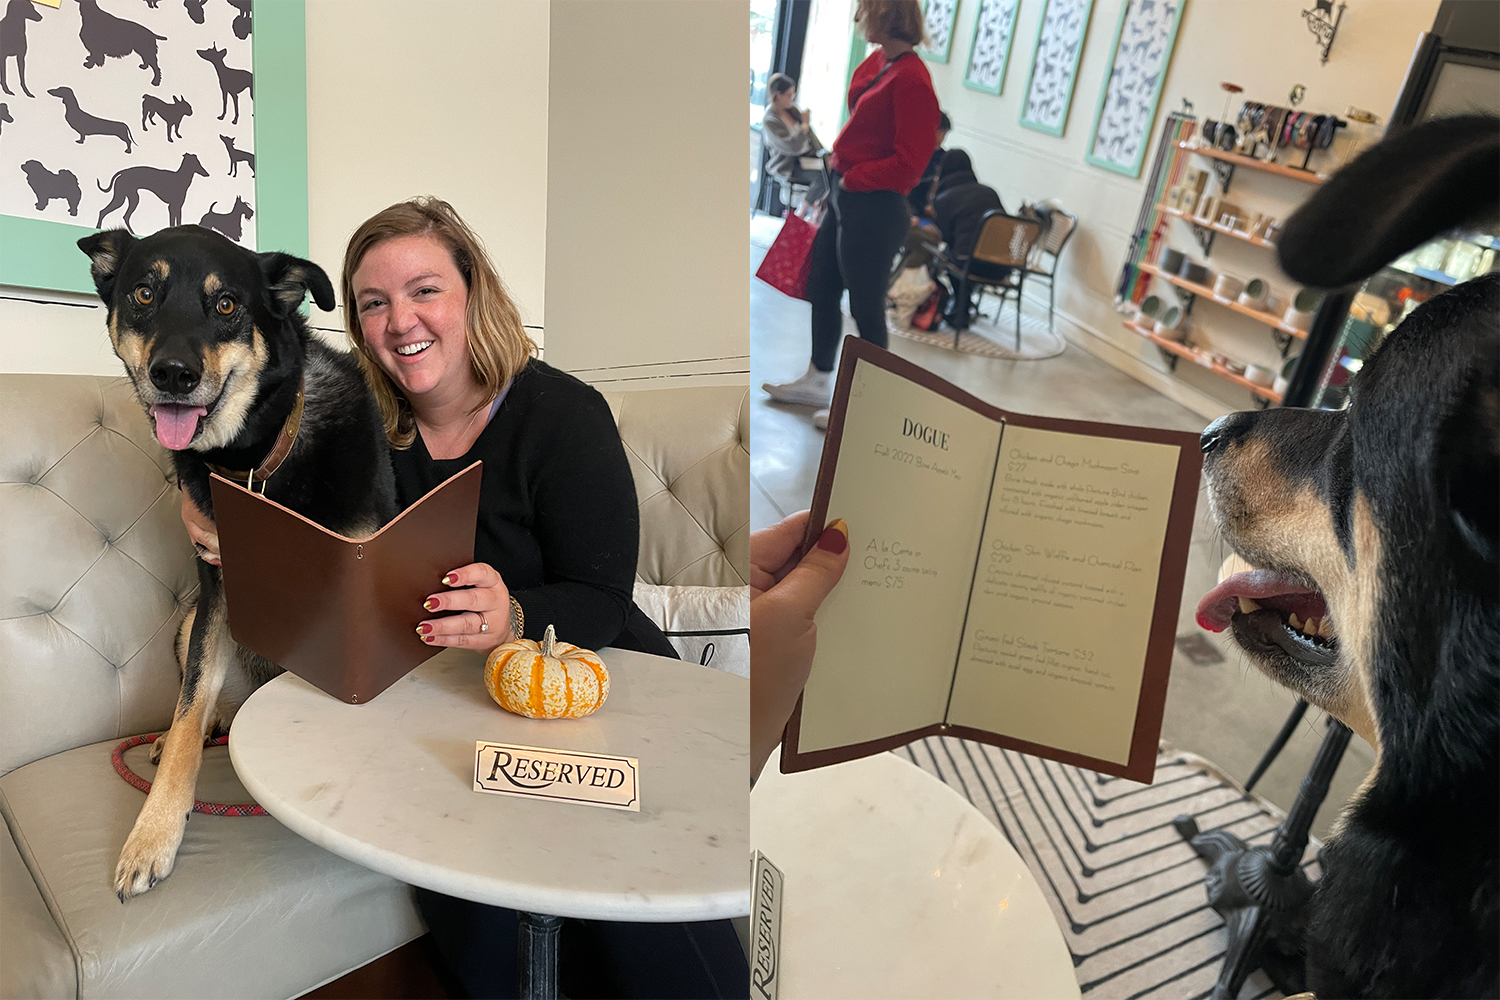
{"points": [[1399, 193], [289, 278], [1468, 454], [106, 250]]}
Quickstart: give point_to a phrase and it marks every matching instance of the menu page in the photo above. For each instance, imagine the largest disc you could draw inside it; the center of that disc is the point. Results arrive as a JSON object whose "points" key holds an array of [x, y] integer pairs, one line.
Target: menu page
{"points": [[1055, 643], [913, 477]]}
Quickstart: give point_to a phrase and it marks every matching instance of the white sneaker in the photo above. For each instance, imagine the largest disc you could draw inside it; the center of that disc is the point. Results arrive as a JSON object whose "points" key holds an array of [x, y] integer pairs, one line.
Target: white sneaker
{"points": [[820, 420], [814, 388]]}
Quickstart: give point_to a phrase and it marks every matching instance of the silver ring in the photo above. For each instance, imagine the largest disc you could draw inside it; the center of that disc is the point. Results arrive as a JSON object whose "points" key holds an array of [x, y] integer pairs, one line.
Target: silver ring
{"points": [[484, 625]]}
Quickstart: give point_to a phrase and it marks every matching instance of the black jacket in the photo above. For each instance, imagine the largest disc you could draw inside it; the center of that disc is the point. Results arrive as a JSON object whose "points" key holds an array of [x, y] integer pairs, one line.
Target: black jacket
{"points": [[960, 204]]}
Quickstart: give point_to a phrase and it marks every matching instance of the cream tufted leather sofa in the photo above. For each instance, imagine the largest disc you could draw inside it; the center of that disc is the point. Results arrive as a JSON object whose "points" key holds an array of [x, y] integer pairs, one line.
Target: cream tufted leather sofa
{"points": [[95, 573]]}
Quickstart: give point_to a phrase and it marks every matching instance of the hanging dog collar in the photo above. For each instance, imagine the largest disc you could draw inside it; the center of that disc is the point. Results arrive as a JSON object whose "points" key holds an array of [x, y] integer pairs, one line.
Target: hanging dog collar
{"points": [[279, 450]]}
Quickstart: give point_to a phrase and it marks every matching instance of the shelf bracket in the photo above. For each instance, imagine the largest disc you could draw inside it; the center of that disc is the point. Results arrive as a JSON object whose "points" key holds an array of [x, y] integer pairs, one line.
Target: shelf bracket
{"points": [[1170, 358], [1225, 172], [1204, 236], [1262, 403], [1187, 299], [1283, 341]]}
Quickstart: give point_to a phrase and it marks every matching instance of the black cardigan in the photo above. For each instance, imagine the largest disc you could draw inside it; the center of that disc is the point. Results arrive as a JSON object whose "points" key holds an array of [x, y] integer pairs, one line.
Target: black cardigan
{"points": [[960, 205], [558, 517]]}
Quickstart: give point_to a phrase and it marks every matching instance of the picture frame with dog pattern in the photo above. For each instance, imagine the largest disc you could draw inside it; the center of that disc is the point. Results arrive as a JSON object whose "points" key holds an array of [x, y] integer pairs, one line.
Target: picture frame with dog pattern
{"points": [[42, 254], [1140, 56], [1060, 38], [938, 18], [989, 49]]}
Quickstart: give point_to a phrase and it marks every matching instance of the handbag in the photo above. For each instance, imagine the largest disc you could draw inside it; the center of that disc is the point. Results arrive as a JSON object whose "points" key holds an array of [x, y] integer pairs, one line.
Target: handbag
{"points": [[786, 264], [930, 313]]}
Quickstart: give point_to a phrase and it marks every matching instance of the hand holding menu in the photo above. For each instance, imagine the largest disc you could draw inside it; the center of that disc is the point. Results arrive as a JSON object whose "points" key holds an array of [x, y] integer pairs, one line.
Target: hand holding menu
{"points": [[341, 613], [1012, 579]]}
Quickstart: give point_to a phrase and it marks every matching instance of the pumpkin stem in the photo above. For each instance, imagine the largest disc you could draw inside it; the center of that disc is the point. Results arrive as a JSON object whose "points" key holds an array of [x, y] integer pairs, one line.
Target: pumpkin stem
{"points": [[549, 641]]}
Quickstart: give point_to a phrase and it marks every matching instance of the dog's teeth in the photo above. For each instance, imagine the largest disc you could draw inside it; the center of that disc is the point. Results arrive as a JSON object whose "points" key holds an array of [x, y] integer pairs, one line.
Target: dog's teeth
{"points": [[1325, 627], [1247, 606], [1296, 625], [1311, 626]]}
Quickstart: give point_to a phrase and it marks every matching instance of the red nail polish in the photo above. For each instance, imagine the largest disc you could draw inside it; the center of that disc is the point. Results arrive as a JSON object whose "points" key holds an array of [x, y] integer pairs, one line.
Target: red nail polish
{"points": [[431, 604], [428, 638], [834, 538], [424, 628], [450, 580]]}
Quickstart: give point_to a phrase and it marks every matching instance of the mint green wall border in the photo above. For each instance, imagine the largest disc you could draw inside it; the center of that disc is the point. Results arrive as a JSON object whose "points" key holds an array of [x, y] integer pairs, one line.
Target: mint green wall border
{"points": [[933, 55], [39, 254], [1035, 126], [1134, 170], [1010, 42]]}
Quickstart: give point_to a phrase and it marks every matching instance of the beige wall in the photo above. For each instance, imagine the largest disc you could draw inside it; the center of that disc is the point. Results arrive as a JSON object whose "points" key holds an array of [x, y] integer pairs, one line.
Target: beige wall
{"points": [[648, 257], [1264, 46]]}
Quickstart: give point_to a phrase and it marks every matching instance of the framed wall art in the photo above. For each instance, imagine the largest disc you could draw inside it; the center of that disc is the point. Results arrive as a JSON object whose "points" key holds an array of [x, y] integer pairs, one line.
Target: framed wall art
{"points": [[147, 116], [1142, 50], [989, 51], [1054, 65], [938, 17]]}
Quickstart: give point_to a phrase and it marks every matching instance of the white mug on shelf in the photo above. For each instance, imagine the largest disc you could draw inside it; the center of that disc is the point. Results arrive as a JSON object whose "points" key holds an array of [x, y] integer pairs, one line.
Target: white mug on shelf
{"points": [[1228, 287], [1254, 295]]}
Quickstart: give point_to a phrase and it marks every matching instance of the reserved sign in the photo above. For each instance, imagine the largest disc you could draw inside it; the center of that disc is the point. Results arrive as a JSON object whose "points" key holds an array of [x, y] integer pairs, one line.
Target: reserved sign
{"points": [[765, 942], [591, 779]]}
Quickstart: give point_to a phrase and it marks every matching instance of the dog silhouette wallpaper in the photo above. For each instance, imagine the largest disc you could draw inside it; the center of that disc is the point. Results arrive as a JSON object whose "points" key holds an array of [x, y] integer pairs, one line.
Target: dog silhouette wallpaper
{"points": [[124, 113]]}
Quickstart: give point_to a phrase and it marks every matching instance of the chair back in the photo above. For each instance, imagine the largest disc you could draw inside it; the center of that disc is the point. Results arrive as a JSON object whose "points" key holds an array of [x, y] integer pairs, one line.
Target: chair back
{"points": [[1005, 239], [1058, 233]]}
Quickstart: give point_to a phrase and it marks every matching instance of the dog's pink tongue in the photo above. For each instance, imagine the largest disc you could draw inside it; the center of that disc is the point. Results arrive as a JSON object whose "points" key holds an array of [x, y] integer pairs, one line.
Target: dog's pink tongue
{"points": [[1219, 605], [175, 423]]}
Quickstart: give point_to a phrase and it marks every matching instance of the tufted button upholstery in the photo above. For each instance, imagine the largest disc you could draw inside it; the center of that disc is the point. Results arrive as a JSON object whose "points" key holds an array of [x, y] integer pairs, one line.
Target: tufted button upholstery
{"points": [[689, 450]]}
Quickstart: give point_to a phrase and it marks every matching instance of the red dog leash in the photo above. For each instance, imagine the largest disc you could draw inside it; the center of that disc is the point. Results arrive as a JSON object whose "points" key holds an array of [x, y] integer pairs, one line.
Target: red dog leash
{"points": [[208, 808]]}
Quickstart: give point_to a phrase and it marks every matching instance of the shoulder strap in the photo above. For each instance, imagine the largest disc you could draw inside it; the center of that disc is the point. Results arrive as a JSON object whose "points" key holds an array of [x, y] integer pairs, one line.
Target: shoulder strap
{"points": [[873, 82]]}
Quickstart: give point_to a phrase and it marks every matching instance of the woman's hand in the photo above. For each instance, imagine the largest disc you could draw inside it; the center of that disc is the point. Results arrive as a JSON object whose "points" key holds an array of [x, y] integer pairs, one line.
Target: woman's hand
{"points": [[485, 600], [201, 531], [783, 635]]}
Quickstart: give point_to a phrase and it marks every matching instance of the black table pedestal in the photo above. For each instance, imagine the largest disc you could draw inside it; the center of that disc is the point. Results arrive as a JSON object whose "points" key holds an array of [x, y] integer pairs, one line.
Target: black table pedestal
{"points": [[536, 946]]}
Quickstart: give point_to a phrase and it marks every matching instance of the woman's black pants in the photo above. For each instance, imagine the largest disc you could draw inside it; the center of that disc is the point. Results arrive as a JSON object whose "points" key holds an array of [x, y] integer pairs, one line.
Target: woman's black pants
{"points": [[854, 248]]}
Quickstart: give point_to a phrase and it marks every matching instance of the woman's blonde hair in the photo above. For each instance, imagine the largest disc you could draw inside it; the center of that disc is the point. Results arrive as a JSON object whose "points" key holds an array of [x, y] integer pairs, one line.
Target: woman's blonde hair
{"points": [[498, 344], [897, 19]]}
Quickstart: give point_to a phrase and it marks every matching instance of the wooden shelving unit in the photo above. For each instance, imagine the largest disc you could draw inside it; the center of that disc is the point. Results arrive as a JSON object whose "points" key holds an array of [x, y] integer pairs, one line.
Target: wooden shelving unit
{"points": [[1204, 291], [1251, 163], [1236, 233], [1202, 360]]}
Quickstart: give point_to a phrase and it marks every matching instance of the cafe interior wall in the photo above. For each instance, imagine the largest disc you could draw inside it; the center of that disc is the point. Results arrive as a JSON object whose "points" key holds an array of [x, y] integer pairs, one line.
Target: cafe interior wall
{"points": [[1264, 46]]}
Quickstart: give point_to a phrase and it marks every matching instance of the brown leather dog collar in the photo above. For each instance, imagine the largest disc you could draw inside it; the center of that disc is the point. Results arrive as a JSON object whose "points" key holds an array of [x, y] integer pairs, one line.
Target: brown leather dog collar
{"points": [[279, 450]]}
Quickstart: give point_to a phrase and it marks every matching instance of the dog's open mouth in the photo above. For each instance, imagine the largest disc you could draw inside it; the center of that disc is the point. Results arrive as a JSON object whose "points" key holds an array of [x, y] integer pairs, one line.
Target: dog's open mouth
{"points": [[1269, 609], [178, 424]]}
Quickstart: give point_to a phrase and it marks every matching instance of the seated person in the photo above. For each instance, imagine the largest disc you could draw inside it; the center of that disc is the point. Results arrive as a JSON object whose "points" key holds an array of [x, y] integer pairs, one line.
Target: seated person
{"points": [[792, 146], [959, 209], [920, 197]]}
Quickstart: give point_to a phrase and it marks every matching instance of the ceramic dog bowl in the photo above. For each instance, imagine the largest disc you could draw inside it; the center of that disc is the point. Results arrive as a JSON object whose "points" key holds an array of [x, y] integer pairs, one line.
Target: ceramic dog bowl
{"points": [[1170, 325], [1196, 273], [1306, 301], [1300, 313], [1284, 380], [1228, 287], [1171, 261], [1260, 375], [1254, 294], [1151, 306]]}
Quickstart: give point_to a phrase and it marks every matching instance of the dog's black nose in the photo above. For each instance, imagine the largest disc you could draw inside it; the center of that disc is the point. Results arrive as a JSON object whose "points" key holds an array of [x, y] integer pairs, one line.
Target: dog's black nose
{"points": [[1215, 434], [174, 376]]}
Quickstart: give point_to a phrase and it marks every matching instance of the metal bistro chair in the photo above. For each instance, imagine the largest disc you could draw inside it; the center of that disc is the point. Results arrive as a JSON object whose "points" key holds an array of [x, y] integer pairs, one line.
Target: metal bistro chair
{"points": [[1059, 231], [1004, 240]]}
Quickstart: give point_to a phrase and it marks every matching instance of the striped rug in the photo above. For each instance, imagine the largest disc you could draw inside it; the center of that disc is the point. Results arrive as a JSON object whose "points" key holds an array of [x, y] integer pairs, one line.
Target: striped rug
{"points": [[1125, 889]]}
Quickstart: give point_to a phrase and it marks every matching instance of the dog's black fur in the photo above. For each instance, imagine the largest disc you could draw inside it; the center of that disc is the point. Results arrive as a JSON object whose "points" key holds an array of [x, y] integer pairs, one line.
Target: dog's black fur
{"points": [[1390, 510], [104, 35], [85, 124], [172, 114], [220, 328], [47, 185]]}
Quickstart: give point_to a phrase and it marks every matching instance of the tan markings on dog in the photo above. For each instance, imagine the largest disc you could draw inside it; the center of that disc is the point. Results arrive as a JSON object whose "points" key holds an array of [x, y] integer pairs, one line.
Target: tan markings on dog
{"points": [[212, 284], [1362, 611], [236, 367], [162, 268], [130, 346], [150, 851]]}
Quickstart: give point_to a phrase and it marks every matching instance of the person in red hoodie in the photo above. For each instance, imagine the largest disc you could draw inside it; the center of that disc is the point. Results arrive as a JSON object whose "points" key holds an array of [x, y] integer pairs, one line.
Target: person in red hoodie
{"points": [[877, 158]]}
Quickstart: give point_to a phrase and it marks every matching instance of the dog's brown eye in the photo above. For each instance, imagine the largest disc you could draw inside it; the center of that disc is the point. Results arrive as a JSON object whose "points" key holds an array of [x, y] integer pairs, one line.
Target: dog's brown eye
{"points": [[226, 305], [144, 295]]}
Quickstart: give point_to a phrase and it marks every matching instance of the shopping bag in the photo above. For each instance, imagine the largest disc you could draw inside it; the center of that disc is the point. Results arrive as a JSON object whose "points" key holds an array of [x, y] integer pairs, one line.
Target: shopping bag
{"points": [[786, 264], [929, 314]]}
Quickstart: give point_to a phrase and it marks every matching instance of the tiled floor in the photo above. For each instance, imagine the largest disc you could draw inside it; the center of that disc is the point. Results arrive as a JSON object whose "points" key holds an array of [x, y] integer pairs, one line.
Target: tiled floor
{"points": [[1227, 711]]}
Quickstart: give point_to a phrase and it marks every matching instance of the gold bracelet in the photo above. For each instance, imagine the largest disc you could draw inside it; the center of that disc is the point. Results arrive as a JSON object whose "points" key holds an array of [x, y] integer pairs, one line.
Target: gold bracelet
{"points": [[517, 620]]}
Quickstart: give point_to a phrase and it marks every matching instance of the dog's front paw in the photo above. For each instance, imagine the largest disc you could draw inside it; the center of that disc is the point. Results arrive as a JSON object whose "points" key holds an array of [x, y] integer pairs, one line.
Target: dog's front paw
{"points": [[154, 754], [148, 858]]}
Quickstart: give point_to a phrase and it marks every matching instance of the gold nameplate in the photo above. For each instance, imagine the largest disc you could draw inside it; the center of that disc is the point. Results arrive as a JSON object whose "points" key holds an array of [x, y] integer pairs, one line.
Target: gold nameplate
{"points": [[590, 779], [765, 943]]}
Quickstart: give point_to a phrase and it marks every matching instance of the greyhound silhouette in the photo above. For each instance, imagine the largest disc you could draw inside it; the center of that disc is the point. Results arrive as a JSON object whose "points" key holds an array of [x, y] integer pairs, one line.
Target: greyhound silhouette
{"points": [[103, 35], [228, 223], [5, 114], [85, 124], [172, 114], [195, 9], [47, 185], [13, 40], [231, 81], [236, 156], [241, 23], [171, 186]]}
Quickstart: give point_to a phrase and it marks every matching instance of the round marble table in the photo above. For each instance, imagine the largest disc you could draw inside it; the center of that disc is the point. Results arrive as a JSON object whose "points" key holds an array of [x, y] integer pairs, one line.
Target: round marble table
{"points": [[389, 785], [898, 887]]}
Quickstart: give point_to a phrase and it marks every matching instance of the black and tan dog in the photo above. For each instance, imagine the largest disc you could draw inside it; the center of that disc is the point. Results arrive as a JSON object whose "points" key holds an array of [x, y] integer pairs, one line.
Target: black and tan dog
{"points": [[1373, 533], [222, 361]]}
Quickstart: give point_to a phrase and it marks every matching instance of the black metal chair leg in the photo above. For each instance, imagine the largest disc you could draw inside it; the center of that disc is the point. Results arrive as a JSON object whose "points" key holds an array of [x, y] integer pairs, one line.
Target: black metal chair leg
{"points": [[1287, 728]]}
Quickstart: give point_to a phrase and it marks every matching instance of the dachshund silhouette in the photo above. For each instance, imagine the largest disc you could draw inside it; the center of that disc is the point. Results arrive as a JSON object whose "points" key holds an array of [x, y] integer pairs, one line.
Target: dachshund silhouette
{"points": [[236, 156], [5, 114], [46, 185], [105, 35], [228, 224], [172, 114], [231, 81], [13, 40], [85, 124], [195, 9], [171, 186], [241, 23]]}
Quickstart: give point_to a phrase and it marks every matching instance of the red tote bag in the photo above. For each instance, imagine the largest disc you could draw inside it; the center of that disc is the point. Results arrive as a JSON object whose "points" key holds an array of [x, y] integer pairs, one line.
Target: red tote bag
{"points": [[786, 264]]}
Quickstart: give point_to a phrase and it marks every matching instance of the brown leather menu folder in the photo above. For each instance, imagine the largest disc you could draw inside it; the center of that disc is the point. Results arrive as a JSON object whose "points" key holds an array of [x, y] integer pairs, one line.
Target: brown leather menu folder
{"points": [[1012, 579], [341, 613]]}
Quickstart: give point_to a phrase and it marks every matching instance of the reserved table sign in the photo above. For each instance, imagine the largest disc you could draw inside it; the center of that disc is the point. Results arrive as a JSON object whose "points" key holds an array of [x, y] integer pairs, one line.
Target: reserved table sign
{"points": [[765, 945], [590, 779]]}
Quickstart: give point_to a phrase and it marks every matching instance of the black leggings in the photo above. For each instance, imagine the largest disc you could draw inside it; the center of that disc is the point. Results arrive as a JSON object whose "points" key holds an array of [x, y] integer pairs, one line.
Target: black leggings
{"points": [[854, 248]]}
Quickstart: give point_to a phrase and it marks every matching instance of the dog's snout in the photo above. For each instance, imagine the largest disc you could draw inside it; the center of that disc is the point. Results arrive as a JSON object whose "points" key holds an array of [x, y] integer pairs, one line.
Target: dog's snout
{"points": [[1224, 430], [175, 376]]}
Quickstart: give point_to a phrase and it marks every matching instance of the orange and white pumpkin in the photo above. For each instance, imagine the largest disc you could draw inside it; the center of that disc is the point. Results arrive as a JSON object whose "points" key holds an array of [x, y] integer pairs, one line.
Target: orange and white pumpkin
{"points": [[546, 680]]}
